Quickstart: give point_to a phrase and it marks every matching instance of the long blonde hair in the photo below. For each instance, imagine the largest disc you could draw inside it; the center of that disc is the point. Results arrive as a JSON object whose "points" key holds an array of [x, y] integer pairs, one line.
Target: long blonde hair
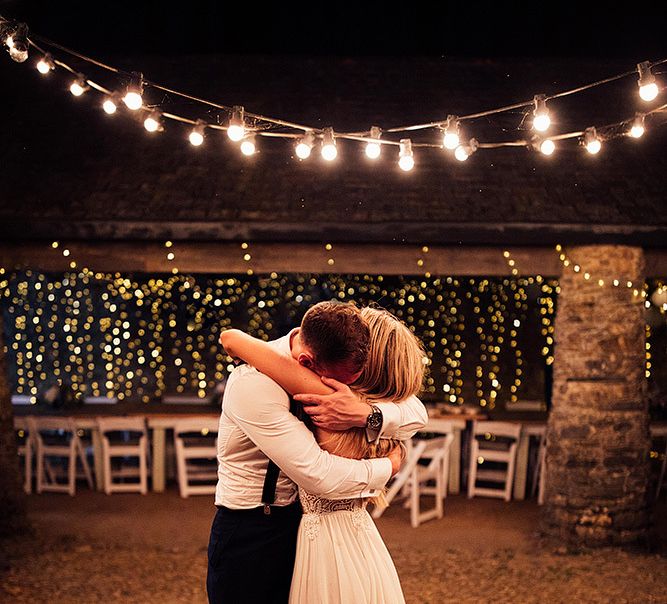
{"points": [[394, 371]]}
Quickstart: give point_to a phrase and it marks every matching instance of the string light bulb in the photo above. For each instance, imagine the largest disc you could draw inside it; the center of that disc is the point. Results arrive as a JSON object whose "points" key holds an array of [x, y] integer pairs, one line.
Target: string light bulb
{"points": [[373, 149], [648, 87], [248, 145], [110, 105], [305, 145], [541, 119], [133, 98], [236, 128], [547, 146], [591, 141], [463, 152], [451, 139], [45, 65], [406, 158], [196, 136], [18, 43], [153, 122], [329, 150], [637, 128], [78, 86]]}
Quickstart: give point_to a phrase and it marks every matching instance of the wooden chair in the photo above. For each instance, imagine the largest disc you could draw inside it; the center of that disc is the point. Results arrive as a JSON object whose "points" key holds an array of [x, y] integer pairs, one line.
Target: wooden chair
{"points": [[25, 448], [57, 438], [539, 476], [493, 442], [124, 439], [195, 442]]}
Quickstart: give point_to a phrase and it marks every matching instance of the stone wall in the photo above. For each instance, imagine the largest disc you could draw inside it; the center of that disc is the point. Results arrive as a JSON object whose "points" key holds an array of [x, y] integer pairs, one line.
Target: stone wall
{"points": [[597, 440]]}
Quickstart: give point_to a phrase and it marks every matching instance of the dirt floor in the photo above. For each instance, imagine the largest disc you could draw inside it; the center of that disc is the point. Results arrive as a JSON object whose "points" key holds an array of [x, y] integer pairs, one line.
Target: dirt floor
{"points": [[152, 548]]}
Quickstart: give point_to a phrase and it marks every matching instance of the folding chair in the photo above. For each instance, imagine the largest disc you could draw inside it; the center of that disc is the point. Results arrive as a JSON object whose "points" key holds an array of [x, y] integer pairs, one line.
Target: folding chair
{"points": [[195, 442], [124, 439]]}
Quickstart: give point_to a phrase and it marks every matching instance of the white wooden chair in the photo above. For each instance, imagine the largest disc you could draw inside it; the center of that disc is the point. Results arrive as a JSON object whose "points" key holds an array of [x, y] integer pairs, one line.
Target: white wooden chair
{"points": [[539, 476], [57, 438], [25, 448], [493, 442], [412, 480], [195, 442], [124, 439]]}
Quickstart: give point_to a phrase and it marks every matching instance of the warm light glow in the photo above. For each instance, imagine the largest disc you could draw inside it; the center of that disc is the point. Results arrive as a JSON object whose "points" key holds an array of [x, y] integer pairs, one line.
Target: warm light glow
{"points": [[461, 153], [236, 133], [451, 139], [541, 119], [109, 106], [19, 53], [637, 129], [45, 64], [152, 123], [236, 129], [648, 87], [78, 87], [196, 136], [649, 92], [248, 146], [541, 122], [133, 100], [406, 160], [303, 150], [591, 141], [329, 151], [373, 150], [547, 147]]}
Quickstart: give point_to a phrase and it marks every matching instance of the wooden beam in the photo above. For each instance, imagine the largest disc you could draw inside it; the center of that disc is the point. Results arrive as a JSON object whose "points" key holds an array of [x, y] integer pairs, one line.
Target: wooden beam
{"points": [[210, 257]]}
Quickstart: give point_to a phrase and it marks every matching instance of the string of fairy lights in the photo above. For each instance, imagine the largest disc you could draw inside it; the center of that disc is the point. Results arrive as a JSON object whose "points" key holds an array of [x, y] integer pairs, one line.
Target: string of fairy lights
{"points": [[453, 133]]}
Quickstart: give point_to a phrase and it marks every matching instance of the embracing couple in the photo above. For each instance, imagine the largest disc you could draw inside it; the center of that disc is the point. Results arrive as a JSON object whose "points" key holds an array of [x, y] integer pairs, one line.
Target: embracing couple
{"points": [[295, 475]]}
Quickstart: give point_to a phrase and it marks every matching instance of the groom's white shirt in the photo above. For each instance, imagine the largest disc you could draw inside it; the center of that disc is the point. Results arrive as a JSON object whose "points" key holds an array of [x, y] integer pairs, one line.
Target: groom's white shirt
{"points": [[256, 424]]}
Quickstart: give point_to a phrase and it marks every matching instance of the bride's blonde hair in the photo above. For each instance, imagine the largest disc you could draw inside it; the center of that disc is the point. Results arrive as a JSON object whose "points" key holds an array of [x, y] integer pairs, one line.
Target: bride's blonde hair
{"points": [[394, 372]]}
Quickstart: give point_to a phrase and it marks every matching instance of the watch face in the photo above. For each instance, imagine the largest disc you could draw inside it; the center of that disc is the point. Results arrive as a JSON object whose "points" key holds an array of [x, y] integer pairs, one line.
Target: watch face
{"points": [[374, 419]]}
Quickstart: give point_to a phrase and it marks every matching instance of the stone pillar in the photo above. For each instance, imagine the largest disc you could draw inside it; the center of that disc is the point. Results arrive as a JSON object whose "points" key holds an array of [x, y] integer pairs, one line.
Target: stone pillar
{"points": [[597, 436]]}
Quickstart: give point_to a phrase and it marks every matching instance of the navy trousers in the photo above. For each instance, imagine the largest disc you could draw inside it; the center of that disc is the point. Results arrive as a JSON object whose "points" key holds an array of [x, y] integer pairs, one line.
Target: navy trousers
{"points": [[251, 555]]}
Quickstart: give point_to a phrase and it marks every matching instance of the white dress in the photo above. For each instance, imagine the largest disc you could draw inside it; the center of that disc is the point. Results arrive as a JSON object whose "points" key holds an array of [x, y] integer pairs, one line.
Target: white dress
{"points": [[340, 556]]}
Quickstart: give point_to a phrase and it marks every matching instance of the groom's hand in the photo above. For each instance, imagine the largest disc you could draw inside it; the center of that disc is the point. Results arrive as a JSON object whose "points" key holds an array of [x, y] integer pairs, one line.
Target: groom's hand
{"points": [[339, 410]]}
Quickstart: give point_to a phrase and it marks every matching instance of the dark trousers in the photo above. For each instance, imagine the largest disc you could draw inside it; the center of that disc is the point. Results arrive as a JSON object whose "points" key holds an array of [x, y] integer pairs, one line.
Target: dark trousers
{"points": [[251, 555]]}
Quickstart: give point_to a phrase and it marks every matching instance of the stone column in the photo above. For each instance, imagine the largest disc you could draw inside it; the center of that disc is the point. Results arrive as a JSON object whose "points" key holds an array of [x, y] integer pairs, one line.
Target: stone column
{"points": [[597, 436]]}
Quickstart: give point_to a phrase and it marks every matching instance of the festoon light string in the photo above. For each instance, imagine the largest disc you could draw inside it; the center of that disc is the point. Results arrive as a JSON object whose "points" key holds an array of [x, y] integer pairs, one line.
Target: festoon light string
{"points": [[244, 127]]}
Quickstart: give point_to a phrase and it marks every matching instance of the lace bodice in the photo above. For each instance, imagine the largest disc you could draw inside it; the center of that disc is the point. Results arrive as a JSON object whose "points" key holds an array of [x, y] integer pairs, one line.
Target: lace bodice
{"points": [[315, 507]]}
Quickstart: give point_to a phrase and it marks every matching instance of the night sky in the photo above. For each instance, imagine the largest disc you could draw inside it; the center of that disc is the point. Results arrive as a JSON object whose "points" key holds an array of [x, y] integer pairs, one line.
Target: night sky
{"points": [[463, 29]]}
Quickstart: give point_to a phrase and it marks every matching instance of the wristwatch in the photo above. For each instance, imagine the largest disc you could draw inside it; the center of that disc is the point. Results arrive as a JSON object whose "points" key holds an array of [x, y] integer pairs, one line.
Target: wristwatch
{"points": [[374, 420]]}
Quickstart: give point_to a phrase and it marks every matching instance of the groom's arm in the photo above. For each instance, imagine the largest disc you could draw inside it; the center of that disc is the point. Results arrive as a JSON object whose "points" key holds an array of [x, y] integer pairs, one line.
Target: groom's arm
{"points": [[261, 409], [345, 409]]}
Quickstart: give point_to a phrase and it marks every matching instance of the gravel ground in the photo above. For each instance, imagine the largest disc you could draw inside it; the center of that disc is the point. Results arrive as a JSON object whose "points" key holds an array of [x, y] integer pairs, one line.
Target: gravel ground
{"points": [[129, 548]]}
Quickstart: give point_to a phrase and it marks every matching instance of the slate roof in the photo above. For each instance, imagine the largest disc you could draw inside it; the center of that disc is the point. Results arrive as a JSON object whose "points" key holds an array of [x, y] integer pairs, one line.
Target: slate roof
{"points": [[69, 169]]}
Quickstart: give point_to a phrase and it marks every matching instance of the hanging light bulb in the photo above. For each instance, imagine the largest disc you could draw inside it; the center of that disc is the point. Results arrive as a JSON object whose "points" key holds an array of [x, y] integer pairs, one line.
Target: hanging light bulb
{"points": [[329, 151], [463, 152], [451, 138], [591, 141], [648, 88], [248, 145], [547, 146], [196, 136], [78, 86], [541, 119], [110, 104], [406, 158], [153, 122], [133, 97], [17, 42], [637, 128], [373, 149], [45, 64], [236, 129], [305, 145]]}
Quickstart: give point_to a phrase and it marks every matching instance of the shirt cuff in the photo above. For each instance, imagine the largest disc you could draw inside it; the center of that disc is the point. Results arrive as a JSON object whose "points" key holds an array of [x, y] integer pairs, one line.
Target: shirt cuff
{"points": [[391, 421]]}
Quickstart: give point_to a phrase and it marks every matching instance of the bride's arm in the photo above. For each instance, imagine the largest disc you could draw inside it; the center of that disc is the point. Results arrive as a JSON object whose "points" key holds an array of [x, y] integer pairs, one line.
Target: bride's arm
{"points": [[282, 368]]}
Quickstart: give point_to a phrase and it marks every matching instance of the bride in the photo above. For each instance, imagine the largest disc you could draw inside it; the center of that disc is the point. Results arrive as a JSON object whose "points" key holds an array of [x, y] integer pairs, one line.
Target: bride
{"points": [[340, 557]]}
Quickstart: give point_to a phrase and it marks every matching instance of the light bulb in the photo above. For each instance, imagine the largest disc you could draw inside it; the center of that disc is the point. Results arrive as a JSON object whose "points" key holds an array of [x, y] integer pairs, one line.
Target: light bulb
{"points": [[153, 123], [133, 100], [18, 44], [248, 145], [45, 64], [541, 119], [109, 106], [9, 41], [236, 129], [135, 89], [463, 152], [406, 159], [196, 136], [591, 141], [547, 147], [637, 128], [329, 151], [648, 88], [304, 145], [78, 86], [373, 150], [451, 138]]}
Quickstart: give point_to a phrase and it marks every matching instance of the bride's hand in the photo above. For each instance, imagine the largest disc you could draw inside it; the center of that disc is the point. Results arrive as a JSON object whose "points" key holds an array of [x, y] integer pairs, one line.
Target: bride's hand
{"points": [[395, 456]]}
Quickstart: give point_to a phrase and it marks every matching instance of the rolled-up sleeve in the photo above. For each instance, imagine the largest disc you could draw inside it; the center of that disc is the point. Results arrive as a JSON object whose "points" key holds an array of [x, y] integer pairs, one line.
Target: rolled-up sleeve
{"points": [[261, 409], [402, 420]]}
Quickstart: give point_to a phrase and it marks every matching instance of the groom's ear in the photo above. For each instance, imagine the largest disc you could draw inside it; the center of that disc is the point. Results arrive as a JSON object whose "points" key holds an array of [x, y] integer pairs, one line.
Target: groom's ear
{"points": [[306, 360]]}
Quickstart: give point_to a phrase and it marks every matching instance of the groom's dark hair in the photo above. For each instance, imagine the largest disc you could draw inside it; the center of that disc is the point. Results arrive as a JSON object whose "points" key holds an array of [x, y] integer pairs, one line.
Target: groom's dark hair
{"points": [[337, 335]]}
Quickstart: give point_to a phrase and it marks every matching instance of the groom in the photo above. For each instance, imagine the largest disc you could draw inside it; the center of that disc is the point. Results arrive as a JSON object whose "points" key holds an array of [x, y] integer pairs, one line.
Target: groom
{"points": [[253, 537]]}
